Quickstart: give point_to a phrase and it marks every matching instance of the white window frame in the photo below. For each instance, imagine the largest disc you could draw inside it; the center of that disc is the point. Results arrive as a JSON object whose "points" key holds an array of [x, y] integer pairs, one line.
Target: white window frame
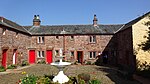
{"points": [[92, 39], [92, 54], [72, 53], [56, 52], [40, 39], [40, 54]]}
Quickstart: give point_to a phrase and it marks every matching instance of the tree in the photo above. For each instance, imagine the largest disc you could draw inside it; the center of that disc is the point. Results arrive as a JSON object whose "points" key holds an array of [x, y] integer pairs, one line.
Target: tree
{"points": [[146, 45]]}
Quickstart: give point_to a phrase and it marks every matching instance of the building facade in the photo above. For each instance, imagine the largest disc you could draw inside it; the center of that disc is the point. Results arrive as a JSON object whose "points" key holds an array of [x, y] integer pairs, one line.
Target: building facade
{"points": [[80, 43]]}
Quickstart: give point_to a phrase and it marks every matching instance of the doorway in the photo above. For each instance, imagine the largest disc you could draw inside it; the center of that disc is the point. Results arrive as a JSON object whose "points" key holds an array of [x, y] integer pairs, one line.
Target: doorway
{"points": [[80, 56], [49, 56], [32, 56], [4, 58]]}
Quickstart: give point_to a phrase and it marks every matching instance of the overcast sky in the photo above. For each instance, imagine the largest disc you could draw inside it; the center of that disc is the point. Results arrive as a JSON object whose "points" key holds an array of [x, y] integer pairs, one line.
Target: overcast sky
{"points": [[64, 12]]}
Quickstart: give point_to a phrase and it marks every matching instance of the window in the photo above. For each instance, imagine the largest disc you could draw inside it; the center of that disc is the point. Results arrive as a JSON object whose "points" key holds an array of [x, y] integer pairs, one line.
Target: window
{"points": [[4, 31], [92, 39], [40, 39], [72, 53], [40, 54], [92, 55], [57, 52]]}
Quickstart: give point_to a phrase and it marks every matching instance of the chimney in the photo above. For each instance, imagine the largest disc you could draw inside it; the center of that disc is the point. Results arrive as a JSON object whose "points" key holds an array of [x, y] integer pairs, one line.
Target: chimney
{"points": [[2, 19], [95, 20], [36, 20]]}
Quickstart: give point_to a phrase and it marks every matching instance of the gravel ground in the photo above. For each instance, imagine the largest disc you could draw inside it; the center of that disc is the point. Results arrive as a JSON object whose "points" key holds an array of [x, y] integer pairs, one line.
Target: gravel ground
{"points": [[105, 74]]}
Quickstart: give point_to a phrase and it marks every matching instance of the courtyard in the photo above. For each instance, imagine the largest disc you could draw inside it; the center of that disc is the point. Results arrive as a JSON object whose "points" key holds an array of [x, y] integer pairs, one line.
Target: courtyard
{"points": [[107, 75]]}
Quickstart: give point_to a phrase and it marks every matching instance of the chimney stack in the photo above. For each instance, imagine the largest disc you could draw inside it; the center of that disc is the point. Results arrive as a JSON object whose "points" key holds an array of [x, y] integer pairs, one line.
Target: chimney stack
{"points": [[2, 19], [95, 20], [36, 20]]}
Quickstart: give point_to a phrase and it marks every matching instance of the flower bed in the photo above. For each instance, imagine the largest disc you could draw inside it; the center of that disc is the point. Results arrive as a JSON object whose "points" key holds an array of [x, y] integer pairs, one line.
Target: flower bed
{"points": [[82, 78]]}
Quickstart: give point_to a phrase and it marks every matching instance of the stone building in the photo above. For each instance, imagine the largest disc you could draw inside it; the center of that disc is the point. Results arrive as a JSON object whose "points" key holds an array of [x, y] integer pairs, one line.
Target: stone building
{"points": [[81, 43]]}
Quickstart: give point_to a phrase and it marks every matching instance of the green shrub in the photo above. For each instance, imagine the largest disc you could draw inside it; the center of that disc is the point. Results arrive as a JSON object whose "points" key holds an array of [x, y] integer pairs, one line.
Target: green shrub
{"points": [[12, 66], [95, 81], [84, 76], [41, 62], [81, 82], [49, 76], [24, 63], [29, 80], [43, 80], [88, 63], [2, 69]]}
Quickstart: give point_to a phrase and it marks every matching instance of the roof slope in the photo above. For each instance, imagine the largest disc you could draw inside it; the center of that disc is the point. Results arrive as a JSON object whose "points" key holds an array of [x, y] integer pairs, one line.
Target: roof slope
{"points": [[129, 24], [73, 29], [12, 25]]}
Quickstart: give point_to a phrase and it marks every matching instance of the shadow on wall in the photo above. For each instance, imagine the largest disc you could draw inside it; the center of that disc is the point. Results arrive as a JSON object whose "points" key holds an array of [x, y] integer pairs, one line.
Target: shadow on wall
{"points": [[109, 54]]}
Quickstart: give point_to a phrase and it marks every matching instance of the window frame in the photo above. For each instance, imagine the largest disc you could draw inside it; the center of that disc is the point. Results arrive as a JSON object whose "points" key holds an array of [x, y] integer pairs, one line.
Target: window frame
{"points": [[57, 53], [40, 39], [40, 54], [92, 54], [92, 39], [72, 53]]}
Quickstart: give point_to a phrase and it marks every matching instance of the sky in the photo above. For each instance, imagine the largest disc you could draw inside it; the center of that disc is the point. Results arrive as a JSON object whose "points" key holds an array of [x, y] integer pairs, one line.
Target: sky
{"points": [[71, 12]]}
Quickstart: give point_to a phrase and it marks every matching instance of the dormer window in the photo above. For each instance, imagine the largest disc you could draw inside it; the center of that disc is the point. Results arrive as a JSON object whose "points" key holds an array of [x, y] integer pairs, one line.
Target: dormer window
{"points": [[40, 39], [93, 39], [4, 32]]}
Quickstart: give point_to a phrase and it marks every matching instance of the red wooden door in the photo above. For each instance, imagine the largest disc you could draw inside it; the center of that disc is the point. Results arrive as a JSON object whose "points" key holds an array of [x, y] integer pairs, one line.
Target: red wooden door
{"points": [[49, 56], [4, 58], [32, 56]]}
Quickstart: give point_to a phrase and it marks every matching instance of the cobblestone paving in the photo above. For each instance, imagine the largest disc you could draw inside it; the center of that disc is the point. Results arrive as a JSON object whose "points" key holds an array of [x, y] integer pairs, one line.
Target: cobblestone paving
{"points": [[105, 74]]}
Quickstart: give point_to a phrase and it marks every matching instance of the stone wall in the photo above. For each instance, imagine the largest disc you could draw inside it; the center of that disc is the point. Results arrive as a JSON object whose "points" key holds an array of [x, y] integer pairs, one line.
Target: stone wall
{"points": [[139, 34], [14, 40], [125, 55], [77, 43]]}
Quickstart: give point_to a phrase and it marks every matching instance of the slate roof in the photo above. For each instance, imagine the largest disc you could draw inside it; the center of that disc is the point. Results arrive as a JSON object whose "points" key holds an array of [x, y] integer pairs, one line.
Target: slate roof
{"points": [[70, 29], [12, 25], [73, 29], [129, 24]]}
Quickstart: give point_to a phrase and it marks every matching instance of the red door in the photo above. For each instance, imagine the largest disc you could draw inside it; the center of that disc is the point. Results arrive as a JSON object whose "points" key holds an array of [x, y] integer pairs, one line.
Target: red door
{"points": [[32, 56], [49, 56], [4, 58]]}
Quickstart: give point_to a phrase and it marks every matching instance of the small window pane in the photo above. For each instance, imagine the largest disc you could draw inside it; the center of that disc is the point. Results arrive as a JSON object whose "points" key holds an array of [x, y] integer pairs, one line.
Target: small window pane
{"points": [[42, 53], [90, 54], [72, 53], [42, 40], [94, 54]]}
